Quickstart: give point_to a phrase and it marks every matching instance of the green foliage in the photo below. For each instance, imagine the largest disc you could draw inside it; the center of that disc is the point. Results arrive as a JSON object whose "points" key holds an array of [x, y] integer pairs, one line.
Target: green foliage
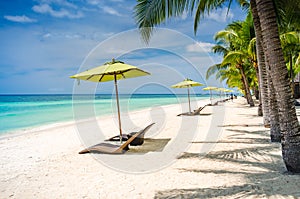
{"points": [[150, 13], [237, 42], [237, 46], [290, 43]]}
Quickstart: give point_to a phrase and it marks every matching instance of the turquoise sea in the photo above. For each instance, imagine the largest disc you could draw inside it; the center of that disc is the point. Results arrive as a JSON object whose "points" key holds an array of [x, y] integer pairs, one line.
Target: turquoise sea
{"points": [[18, 112]]}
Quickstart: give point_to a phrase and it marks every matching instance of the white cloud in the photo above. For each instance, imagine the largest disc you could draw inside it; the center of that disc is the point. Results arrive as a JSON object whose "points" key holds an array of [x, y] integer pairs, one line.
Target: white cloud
{"points": [[47, 9], [93, 2], [110, 10], [200, 47], [47, 35], [59, 2], [104, 8], [62, 36], [20, 19], [220, 15]]}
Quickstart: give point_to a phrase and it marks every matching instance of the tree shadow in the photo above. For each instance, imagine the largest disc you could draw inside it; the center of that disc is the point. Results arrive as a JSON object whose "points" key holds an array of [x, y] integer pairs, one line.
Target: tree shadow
{"points": [[250, 116], [242, 125], [269, 178], [262, 136]]}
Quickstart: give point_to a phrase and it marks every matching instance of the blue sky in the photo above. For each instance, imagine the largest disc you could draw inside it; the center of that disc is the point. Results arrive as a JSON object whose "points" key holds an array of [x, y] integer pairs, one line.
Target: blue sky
{"points": [[43, 42]]}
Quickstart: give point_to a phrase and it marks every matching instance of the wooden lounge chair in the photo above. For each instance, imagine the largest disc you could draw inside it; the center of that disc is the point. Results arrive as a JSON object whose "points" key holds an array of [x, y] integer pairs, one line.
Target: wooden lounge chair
{"points": [[195, 112], [139, 140], [114, 149]]}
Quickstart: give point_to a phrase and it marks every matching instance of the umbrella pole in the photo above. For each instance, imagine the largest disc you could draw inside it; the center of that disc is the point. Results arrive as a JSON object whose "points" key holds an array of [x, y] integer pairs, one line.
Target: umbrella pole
{"points": [[118, 105], [210, 97], [189, 99]]}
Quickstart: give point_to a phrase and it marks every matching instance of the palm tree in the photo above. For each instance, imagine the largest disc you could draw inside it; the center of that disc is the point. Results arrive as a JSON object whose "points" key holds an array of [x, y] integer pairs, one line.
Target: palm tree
{"points": [[263, 80], [286, 16], [230, 74], [268, 98], [289, 124], [233, 44], [149, 13]]}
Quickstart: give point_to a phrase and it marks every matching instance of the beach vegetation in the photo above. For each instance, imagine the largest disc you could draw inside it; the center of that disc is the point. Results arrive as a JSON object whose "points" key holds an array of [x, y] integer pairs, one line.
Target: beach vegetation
{"points": [[235, 44], [269, 23]]}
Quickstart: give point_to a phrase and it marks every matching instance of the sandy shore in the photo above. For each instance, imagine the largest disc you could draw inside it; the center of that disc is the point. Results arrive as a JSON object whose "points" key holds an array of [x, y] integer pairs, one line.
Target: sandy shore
{"points": [[223, 153]]}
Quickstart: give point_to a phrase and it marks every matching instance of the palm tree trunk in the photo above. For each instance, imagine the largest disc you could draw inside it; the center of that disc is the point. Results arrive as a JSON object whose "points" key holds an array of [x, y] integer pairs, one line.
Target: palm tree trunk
{"points": [[262, 77], [255, 92], [259, 110], [289, 124], [247, 88], [263, 81], [243, 82], [275, 132]]}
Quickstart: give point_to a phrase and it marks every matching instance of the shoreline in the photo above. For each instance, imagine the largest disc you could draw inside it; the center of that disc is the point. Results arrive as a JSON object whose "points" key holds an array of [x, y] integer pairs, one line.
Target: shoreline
{"points": [[44, 127]]}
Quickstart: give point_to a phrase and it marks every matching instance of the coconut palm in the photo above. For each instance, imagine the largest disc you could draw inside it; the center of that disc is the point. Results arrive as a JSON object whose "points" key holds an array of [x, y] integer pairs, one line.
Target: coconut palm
{"points": [[289, 124], [149, 13], [268, 98], [263, 78], [231, 76], [233, 44], [288, 41]]}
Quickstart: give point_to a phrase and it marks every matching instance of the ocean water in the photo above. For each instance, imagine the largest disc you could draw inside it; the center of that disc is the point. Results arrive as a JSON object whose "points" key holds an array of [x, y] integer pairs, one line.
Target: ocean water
{"points": [[20, 112]]}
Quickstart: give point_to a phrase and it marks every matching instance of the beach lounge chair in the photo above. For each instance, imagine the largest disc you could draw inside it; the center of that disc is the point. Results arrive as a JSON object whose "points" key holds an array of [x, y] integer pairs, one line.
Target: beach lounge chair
{"points": [[214, 104], [195, 112], [114, 149], [139, 140]]}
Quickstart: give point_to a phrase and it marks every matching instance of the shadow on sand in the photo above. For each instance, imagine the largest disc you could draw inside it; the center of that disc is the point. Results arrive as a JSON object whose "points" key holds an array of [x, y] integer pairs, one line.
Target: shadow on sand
{"points": [[270, 179], [149, 145]]}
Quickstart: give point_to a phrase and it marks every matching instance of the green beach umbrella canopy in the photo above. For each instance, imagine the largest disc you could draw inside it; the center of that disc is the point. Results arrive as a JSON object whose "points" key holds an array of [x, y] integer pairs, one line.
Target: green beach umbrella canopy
{"points": [[111, 71], [210, 88], [187, 83]]}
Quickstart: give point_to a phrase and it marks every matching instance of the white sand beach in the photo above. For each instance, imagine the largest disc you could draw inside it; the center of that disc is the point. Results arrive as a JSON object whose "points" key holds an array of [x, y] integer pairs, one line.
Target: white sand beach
{"points": [[223, 153]]}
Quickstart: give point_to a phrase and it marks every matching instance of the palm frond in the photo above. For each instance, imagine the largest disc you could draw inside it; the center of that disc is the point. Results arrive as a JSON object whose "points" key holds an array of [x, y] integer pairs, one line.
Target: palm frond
{"points": [[213, 69], [290, 38], [224, 36], [297, 64], [244, 4], [233, 57], [252, 49], [220, 49], [149, 13], [204, 7]]}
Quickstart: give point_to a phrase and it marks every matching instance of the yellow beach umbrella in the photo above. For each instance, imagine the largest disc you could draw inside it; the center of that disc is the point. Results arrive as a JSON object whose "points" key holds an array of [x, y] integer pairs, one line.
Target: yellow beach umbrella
{"points": [[210, 88], [187, 83], [111, 71], [229, 91]]}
